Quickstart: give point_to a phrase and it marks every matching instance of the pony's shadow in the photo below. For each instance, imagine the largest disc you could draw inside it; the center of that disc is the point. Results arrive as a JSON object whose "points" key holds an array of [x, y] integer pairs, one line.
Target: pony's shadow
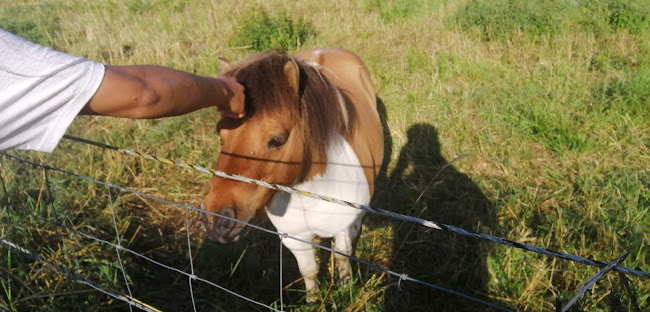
{"points": [[425, 185], [250, 267]]}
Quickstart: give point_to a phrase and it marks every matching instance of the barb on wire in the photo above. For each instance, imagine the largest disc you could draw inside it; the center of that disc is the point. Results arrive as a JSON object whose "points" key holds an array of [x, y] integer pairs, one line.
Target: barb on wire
{"points": [[426, 223], [69, 274], [283, 235], [591, 281]]}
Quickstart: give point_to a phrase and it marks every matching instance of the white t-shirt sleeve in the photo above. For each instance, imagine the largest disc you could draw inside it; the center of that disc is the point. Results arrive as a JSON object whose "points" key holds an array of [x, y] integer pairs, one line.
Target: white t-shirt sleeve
{"points": [[41, 92]]}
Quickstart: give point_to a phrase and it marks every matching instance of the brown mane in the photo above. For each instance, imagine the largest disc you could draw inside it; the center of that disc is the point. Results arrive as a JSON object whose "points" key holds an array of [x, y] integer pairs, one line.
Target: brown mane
{"points": [[318, 109]]}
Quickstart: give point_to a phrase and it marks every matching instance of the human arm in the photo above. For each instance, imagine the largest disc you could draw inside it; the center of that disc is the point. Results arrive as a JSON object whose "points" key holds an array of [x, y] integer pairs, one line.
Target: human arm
{"points": [[145, 91]]}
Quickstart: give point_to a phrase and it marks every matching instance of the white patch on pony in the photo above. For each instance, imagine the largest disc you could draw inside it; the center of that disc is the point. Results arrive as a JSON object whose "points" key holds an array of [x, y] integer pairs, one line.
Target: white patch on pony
{"points": [[317, 52], [314, 64], [343, 179]]}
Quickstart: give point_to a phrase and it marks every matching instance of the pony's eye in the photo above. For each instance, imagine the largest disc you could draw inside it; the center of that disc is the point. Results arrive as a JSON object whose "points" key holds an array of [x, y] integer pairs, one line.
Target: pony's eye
{"points": [[277, 141]]}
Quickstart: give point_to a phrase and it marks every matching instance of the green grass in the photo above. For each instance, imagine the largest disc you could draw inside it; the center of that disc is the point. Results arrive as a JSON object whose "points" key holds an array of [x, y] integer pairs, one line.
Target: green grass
{"points": [[262, 32], [393, 11], [32, 22], [548, 98], [542, 20]]}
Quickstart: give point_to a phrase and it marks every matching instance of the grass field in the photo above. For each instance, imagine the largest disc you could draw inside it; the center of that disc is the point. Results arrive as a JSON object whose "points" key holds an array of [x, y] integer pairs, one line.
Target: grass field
{"points": [[550, 100]]}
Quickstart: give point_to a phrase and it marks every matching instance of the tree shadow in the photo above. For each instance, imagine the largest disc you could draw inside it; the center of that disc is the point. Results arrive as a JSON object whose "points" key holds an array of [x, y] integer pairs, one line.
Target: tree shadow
{"points": [[425, 185]]}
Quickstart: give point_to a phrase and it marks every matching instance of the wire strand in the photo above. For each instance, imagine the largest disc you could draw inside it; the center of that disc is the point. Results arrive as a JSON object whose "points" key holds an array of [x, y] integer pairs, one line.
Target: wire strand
{"points": [[119, 241], [189, 254], [63, 271], [426, 223], [284, 235]]}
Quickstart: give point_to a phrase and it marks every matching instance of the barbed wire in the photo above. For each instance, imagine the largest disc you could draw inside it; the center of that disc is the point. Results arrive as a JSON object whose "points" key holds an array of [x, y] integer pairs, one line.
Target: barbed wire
{"points": [[367, 208], [592, 280], [188, 208], [118, 247], [119, 239], [65, 272]]}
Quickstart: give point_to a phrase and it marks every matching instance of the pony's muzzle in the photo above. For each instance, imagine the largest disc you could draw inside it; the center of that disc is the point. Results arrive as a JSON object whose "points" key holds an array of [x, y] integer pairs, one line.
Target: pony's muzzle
{"points": [[222, 226]]}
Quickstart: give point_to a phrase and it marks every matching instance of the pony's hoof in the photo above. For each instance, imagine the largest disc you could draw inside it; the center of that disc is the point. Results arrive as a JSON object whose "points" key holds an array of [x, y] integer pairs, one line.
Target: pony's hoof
{"points": [[312, 299], [343, 280]]}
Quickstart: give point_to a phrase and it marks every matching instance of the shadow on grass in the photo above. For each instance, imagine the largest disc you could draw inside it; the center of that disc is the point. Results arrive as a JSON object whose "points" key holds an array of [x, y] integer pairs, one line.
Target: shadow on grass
{"points": [[423, 184], [249, 267]]}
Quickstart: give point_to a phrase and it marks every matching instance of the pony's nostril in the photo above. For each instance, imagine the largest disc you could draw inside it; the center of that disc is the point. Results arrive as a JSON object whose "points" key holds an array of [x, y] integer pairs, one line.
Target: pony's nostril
{"points": [[226, 224], [222, 226], [227, 212]]}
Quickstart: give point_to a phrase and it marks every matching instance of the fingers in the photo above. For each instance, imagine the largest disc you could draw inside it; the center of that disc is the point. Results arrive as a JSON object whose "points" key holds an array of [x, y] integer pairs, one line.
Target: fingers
{"points": [[231, 115], [233, 104]]}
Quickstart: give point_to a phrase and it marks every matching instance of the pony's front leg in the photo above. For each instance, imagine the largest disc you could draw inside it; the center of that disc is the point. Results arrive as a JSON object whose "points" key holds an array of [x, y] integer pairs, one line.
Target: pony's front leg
{"points": [[344, 242], [306, 259]]}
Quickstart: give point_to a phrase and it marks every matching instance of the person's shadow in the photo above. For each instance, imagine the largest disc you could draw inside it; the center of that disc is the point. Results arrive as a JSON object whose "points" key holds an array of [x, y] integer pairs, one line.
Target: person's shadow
{"points": [[424, 184]]}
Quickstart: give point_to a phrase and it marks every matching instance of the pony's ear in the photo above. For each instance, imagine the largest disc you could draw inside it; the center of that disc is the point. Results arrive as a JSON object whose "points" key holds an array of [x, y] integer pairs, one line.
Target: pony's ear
{"points": [[293, 77], [224, 64]]}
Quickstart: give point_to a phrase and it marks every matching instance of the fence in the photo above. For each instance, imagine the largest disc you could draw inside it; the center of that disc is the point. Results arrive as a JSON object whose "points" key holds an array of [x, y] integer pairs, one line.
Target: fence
{"points": [[191, 276]]}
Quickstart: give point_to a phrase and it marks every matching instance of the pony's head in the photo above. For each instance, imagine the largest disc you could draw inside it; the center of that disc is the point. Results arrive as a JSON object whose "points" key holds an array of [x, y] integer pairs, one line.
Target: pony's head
{"points": [[292, 111]]}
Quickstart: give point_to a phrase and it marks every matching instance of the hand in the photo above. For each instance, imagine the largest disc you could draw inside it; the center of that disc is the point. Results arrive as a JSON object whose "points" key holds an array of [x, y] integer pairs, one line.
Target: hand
{"points": [[232, 104]]}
